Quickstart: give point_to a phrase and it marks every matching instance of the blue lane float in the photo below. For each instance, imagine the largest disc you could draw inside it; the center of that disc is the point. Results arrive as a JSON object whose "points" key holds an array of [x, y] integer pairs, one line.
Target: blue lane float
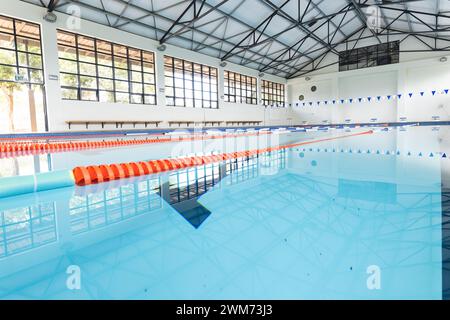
{"points": [[13, 186]]}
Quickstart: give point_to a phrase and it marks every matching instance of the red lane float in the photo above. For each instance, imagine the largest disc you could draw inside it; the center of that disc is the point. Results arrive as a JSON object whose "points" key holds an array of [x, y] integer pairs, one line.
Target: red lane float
{"points": [[14, 149], [96, 174]]}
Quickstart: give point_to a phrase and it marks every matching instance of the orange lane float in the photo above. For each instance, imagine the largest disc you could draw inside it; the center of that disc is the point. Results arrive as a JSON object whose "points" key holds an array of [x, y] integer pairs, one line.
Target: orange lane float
{"points": [[96, 174], [14, 149], [17, 185]]}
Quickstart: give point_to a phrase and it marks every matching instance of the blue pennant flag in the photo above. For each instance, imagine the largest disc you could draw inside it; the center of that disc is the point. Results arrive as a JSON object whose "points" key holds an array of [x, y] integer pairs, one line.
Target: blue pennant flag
{"points": [[446, 91], [326, 101], [334, 101], [342, 100], [422, 93], [410, 94], [369, 98], [310, 103], [433, 92], [359, 99], [304, 104], [318, 102], [389, 97], [351, 100], [378, 98], [444, 156], [431, 154], [399, 95]]}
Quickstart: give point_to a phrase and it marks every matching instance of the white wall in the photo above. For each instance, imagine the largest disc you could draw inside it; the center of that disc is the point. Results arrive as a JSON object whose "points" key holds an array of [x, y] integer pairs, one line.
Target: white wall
{"points": [[60, 110], [411, 76]]}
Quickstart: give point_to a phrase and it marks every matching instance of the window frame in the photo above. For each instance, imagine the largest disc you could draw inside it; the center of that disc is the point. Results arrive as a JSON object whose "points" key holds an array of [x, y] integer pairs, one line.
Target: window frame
{"points": [[273, 93], [112, 55], [370, 56], [243, 90], [17, 52], [179, 72]]}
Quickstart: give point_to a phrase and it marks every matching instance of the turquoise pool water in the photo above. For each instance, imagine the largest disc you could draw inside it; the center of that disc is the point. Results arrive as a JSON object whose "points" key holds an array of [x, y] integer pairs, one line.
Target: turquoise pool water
{"points": [[353, 218]]}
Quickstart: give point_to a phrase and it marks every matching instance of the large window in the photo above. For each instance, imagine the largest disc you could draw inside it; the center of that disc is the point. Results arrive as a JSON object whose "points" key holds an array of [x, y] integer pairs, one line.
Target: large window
{"points": [[371, 56], [239, 88], [190, 84], [97, 70], [272, 93], [21, 77]]}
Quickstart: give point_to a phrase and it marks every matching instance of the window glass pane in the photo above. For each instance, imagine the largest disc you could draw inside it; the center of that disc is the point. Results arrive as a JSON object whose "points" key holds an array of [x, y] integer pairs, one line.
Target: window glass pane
{"points": [[7, 41], [69, 94], [28, 29], [28, 45], [106, 96], [69, 80], [68, 66], [6, 25], [106, 84]]}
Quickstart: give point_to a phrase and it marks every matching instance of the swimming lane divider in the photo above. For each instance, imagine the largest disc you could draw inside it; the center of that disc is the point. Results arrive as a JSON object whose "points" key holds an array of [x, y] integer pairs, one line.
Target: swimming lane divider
{"points": [[13, 149], [83, 176]]}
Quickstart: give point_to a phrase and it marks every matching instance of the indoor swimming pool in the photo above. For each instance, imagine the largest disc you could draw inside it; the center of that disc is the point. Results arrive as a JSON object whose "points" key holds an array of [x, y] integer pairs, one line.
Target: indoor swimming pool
{"points": [[321, 214]]}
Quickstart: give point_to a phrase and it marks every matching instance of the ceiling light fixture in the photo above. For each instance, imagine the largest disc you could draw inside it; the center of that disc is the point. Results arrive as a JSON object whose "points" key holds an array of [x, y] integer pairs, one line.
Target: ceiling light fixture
{"points": [[50, 17]]}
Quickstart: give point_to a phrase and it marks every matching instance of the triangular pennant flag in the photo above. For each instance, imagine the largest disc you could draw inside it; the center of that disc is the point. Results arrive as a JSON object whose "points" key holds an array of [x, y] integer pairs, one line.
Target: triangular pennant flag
{"points": [[304, 104], [433, 92], [359, 99], [420, 154], [389, 97], [326, 101], [350, 151], [342, 100], [334, 101], [369, 98], [410, 94], [378, 98], [310, 103], [387, 152], [399, 96], [378, 151], [359, 151], [431, 154], [351, 100], [318, 102], [398, 153], [422, 93], [444, 156], [368, 151], [446, 91]]}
